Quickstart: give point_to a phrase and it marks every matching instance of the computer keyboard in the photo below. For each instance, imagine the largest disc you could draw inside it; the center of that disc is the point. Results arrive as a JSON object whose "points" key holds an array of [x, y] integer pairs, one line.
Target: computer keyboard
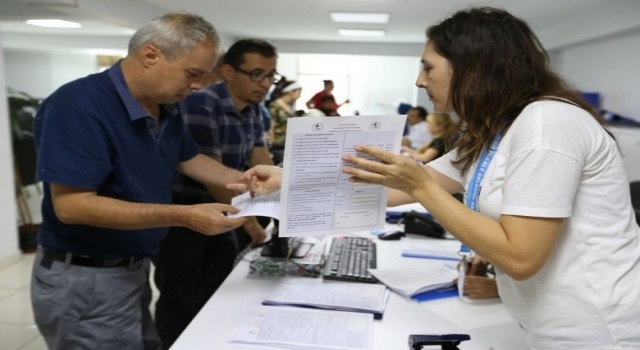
{"points": [[349, 258]]}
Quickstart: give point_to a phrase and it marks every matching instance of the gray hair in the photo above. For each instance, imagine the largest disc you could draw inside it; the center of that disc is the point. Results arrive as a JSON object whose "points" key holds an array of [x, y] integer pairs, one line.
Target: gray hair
{"points": [[174, 34]]}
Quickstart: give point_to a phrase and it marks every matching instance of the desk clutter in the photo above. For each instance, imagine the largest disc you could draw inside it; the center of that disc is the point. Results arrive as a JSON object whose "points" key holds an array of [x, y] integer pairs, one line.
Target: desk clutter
{"points": [[314, 313], [311, 313], [310, 266], [353, 259], [269, 302], [348, 260], [305, 313]]}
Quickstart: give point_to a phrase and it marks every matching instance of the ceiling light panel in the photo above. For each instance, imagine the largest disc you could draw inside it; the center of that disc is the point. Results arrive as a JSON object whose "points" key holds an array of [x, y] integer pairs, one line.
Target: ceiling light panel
{"points": [[53, 23], [359, 17], [362, 32]]}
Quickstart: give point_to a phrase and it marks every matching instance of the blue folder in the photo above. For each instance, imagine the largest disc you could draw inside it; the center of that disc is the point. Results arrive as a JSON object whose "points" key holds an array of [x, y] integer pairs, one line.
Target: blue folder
{"points": [[436, 294]]}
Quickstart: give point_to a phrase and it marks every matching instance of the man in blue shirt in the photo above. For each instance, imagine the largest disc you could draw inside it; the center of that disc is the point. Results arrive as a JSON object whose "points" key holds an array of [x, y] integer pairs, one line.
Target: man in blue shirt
{"points": [[108, 148], [225, 119]]}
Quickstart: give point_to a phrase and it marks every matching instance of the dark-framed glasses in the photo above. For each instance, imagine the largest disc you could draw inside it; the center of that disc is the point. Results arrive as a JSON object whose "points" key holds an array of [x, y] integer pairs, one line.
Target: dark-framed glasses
{"points": [[259, 76]]}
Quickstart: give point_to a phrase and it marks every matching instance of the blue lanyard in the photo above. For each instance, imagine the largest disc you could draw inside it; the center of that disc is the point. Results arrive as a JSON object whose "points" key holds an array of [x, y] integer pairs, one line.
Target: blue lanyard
{"points": [[473, 192]]}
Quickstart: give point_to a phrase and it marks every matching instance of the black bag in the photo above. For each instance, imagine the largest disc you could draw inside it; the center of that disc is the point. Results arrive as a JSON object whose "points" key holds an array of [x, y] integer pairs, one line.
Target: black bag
{"points": [[422, 224]]}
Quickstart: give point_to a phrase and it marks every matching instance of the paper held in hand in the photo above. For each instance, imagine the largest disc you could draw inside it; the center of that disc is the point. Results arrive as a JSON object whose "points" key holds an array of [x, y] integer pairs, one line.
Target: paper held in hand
{"points": [[257, 206], [317, 196]]}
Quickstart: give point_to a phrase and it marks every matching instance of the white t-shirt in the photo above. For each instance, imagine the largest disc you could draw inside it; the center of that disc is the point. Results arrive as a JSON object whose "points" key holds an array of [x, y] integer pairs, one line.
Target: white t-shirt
{"points": [[557, 161], [419, 134]]}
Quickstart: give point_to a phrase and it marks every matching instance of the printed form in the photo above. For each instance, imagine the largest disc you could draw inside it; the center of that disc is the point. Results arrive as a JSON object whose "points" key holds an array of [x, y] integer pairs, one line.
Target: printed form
{"points": [[295, 328], [316, 196]]}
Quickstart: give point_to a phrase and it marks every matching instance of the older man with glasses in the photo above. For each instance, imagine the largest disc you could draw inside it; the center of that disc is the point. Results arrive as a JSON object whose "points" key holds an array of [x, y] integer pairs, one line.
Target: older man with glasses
{"points": [[226, 121]]}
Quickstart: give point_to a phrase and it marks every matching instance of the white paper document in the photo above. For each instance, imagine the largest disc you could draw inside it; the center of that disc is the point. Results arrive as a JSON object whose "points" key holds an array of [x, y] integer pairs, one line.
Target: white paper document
{"points": [[416, 280], [296, 328], [257, 206], [316, 195], [357, 297]]}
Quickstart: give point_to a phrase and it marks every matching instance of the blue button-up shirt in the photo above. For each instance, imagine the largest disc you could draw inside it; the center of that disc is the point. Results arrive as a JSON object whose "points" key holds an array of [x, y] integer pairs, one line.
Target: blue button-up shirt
{"points": [[220, 130]]}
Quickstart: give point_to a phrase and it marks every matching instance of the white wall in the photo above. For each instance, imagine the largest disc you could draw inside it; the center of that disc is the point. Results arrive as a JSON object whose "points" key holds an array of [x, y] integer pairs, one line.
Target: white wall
{"points": [[8, 211], [378, 81], [68, 67], [629, 144], [40, 73], [28, 71], [611, 66]]}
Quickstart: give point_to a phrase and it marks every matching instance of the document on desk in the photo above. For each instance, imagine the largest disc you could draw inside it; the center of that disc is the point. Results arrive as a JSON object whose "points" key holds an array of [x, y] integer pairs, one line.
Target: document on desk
{"points": [[356, 297], [411, 281], [295, 328], [317, 196]]}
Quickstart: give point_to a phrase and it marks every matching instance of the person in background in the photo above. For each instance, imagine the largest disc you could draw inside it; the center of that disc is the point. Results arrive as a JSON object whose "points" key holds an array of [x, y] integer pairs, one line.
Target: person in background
{"points": [[443, 129], [108, 147], [328, 106], [547, 197], [418, 130], [403, 109], [282, 108], [325, 101], [226, 121]]}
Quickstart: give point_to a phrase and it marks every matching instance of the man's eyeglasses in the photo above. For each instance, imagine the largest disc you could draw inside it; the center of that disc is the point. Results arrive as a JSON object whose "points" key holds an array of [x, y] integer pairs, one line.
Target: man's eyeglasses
{"points": [[259, 76]]}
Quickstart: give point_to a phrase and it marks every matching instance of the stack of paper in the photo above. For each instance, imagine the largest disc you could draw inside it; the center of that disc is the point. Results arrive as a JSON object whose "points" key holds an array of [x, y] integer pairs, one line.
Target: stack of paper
{"points": [[295, 328], [413, 281], [315, 293]]}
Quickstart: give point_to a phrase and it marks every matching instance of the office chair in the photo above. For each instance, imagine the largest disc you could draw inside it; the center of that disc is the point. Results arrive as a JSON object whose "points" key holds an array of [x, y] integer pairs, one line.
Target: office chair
{"points": [[635, 198]]}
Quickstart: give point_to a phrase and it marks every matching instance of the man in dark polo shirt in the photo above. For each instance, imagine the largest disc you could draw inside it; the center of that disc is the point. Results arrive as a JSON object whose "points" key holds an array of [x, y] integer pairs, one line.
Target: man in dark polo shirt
{"points": [[226, 121], [108, 148]]}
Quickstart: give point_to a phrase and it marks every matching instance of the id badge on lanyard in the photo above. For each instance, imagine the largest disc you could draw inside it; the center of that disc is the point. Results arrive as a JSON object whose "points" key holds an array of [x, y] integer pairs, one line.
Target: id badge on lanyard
{"points": [[473, 194]]}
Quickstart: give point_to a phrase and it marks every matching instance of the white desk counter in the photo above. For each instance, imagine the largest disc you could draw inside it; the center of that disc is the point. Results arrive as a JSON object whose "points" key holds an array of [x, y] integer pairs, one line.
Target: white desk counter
{"points": [[487, 322]]}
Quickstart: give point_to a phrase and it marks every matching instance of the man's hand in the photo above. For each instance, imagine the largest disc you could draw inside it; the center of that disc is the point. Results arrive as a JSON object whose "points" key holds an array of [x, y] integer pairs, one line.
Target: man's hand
{"points": [[210, 218], [255, 231], [261, 179]]}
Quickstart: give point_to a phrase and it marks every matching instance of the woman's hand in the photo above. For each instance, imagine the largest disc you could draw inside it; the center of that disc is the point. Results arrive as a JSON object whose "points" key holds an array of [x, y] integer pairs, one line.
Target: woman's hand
{"points": [[261, 179], [392, 170], [477, 283], [479, 287]]}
